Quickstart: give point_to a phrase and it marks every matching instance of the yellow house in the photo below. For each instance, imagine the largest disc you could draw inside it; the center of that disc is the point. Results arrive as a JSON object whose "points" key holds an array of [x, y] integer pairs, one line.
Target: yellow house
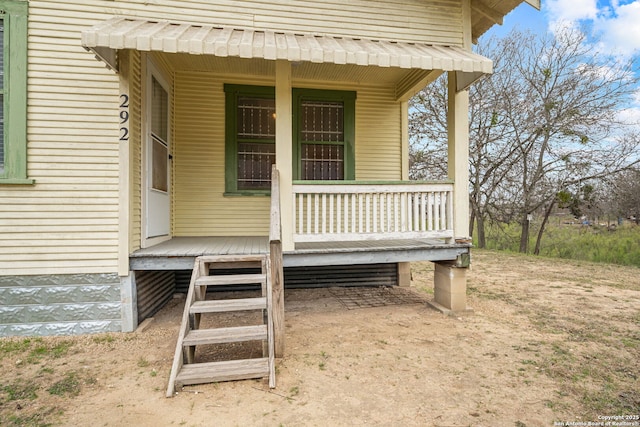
{"points": [[140, 134]]}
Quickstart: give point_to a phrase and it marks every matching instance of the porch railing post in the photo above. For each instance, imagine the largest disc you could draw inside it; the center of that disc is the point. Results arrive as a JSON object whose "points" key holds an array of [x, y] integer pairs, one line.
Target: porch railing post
{"points": [[277, 270]]}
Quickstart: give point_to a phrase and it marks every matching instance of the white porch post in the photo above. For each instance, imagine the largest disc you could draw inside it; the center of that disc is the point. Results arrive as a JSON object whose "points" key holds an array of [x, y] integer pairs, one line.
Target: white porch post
{"points": [[284, 150], [458, 164], [404, 268], [450, 281], [404, 117], [128, 290], [458, 133], [124, 190]]}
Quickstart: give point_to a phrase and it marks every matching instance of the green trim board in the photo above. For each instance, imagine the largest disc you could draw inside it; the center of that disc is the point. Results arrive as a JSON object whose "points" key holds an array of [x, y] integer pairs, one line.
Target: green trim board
{"points": [[14, 14]]}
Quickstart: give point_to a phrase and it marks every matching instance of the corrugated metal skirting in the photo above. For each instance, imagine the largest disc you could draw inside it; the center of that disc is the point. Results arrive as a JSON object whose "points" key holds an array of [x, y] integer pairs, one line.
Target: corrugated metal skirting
{"points": [[323, 276], [154, 289], [341, 275]]}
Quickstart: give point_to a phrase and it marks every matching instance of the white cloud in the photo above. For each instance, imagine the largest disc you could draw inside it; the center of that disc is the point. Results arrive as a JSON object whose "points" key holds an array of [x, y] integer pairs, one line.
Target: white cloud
{"points": [[631, 114], [620, 32], [571, 10], [615, 23]]}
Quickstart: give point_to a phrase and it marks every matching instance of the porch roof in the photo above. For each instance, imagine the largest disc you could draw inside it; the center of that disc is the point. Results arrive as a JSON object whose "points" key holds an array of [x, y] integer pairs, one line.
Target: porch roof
{"points": [[106, 38]]}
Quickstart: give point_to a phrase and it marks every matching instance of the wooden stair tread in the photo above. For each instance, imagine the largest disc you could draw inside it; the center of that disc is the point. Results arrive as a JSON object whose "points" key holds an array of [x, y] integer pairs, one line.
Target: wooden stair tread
{"points": [[238, 304], [246, 258], [225, 335], [229, 370], [231, 279]]}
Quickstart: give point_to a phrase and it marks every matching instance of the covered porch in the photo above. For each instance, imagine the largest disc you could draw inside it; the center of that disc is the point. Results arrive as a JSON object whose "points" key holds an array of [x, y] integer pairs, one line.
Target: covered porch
{"points": [[216, 192]]}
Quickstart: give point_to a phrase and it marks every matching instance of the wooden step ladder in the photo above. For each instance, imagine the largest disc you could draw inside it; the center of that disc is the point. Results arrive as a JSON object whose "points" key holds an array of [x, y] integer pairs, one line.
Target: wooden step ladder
{"points": [[184, 370]]}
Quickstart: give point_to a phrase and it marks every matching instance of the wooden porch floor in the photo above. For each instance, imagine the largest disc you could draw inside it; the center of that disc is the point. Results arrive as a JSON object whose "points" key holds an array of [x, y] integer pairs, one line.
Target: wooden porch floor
{"points": [[180, 252]]}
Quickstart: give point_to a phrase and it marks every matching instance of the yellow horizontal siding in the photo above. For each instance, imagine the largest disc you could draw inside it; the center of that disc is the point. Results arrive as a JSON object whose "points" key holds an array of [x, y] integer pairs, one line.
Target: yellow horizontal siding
{"points": [[402, 20], [378, 135], [200, 207], [68, 221]]}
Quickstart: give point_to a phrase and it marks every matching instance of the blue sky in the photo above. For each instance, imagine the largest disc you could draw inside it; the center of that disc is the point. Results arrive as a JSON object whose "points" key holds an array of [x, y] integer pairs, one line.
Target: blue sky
{"points": [[615, 28], [616, 23]]}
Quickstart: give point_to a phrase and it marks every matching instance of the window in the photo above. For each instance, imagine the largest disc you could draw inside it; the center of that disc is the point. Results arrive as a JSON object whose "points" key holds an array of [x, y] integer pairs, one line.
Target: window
{"points": [[13, 92], [324, 133], [251, 138], [323, 136], [159, 136]]}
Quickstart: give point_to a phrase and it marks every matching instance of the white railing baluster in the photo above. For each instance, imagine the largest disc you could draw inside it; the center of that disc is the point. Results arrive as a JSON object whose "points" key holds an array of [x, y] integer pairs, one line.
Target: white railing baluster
{"points": [[423, 215], [430, 212], [416, 212], [367, 202], [323, 216], [382, 218], [316, 201], [449, 211], [338, 213], [396, 212], [308, 213], [345, 220], [353, 214], [331, 213], [374, 209], [300, 198], [436, 211], [389, 204], [360, 209], [403, 212], [443, 210]]}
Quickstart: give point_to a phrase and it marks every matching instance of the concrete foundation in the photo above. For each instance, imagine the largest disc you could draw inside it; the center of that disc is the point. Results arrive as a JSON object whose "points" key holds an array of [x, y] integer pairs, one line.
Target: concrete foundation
{"points": [[404, 274], [450, 288], [65, 304]]}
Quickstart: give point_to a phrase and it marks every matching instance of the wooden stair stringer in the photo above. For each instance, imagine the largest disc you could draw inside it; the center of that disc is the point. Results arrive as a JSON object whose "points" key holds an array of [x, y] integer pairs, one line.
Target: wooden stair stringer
{"points": [[178, 358]]}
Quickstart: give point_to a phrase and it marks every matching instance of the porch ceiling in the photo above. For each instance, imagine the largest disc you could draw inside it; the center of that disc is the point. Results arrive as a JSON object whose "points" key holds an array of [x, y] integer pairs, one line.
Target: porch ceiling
{"points": [[314, 56], [299, 70]]}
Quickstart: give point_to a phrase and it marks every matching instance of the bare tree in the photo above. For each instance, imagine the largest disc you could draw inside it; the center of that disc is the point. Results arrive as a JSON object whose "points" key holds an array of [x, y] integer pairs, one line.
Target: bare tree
{"points": [[625, 191], [564, 112], [428, 132], [543, 122]]}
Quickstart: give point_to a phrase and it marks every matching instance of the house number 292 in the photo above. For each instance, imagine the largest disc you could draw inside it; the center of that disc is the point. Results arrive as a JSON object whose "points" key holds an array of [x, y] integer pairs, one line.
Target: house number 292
{"points": [[124, 117]]}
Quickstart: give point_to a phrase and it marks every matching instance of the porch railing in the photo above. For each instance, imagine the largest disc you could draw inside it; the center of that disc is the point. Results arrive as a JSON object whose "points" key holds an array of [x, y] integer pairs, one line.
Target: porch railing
{"points": [[371, 211]]}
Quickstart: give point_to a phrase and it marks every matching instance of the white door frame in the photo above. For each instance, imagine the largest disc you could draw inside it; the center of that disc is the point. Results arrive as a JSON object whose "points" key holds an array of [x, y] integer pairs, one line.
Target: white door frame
{"points": [[150, 70]]}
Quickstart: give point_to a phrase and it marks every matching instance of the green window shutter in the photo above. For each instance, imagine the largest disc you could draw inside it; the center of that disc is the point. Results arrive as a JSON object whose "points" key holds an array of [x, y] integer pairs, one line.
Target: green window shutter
{"points": [[13, 169]]}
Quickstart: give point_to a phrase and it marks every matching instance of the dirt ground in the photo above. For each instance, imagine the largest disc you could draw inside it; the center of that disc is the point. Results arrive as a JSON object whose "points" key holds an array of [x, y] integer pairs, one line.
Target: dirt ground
{"points": [[549, 341]]}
